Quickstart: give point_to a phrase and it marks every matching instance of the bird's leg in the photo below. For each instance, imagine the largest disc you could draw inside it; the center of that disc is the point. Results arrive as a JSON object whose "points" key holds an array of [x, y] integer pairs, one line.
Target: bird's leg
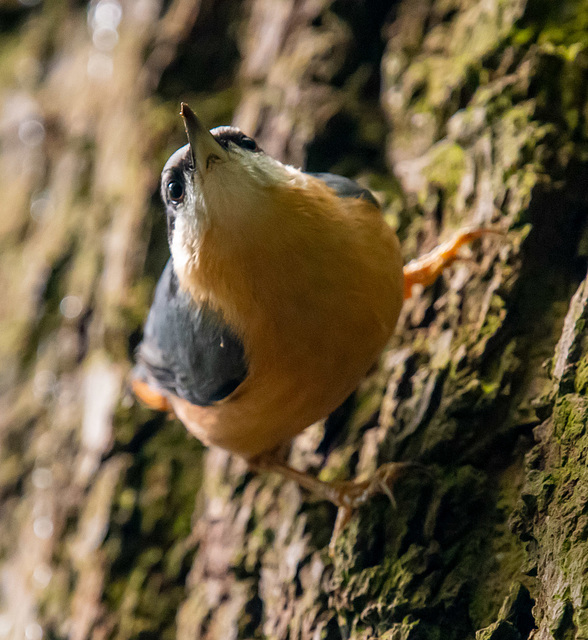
{"points": [[426, 269], [347, 495]]}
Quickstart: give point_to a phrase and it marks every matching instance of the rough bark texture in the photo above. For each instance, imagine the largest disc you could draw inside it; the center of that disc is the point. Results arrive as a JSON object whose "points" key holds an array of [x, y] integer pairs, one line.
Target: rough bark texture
{"points": [[115, 524]]}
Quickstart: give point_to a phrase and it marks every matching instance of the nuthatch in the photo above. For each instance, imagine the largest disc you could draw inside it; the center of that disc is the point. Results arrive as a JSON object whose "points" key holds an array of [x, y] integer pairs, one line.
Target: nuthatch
{"points": [[282, 290]]}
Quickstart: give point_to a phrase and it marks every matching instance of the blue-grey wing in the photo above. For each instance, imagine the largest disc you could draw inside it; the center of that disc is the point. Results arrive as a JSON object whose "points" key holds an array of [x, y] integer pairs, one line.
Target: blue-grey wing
{"points": [[345, 187], [188, 350]]}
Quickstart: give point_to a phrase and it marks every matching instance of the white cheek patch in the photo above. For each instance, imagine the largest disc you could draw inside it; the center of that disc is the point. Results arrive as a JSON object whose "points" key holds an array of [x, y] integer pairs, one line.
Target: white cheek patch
{"points": [[185, 246], [179, 251]]}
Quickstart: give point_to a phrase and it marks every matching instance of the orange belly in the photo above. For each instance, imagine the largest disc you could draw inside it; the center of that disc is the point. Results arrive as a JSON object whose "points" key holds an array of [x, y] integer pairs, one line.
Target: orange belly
{"points": [[299, 381], [314, 295]]}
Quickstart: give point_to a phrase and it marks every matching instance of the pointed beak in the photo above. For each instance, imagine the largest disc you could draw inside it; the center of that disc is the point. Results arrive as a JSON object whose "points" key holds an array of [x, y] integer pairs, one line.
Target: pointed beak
{"points": [[204, 148]]}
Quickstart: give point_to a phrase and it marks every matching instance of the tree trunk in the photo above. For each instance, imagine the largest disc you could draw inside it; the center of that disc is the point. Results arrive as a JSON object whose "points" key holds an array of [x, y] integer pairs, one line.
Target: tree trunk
{"points": [[115, 523]]}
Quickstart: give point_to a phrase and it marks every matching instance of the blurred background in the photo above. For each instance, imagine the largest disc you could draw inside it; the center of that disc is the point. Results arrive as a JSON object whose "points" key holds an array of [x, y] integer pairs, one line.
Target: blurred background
{"points": [[113, 522]]}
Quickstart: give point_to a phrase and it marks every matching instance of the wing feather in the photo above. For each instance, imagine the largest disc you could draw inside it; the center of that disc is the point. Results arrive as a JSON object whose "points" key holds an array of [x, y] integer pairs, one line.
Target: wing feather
{"points": [[345, 187], [188, 350]]}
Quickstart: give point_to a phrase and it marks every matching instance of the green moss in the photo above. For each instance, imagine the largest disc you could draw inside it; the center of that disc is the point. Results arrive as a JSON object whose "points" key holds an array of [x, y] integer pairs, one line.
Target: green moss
{"points": [[566, 25], [150, 525], [570, 417], [581, 378], [10, 56], [522, 36], [406, 630], [500, 630], [505, 556], [447, 165]]}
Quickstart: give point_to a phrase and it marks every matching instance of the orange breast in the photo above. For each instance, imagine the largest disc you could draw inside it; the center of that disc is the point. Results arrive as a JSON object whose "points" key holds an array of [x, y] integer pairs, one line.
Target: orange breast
{"points": [[315, 297]]}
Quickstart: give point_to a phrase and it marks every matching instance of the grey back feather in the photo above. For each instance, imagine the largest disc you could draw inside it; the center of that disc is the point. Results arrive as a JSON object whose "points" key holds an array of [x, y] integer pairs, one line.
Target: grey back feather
{"points": [[345, 187]]}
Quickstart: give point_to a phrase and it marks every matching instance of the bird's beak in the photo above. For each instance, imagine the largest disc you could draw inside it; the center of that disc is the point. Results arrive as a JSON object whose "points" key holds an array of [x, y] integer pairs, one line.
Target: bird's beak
{"points": [[204, 148]]}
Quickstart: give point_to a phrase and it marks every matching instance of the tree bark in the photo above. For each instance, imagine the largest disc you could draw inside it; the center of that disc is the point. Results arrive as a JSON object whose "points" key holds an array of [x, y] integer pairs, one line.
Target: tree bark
{"points": [[115, 523]]}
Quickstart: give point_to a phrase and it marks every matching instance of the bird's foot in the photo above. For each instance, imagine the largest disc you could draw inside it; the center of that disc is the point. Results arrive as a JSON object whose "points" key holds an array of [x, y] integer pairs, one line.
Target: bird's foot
{"points": [[346, 495], [426, 269], [351, 495]]}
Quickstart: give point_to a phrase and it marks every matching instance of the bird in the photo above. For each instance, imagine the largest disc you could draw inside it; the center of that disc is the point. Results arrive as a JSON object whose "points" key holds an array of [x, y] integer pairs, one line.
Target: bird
{"points": [[282, 289]]}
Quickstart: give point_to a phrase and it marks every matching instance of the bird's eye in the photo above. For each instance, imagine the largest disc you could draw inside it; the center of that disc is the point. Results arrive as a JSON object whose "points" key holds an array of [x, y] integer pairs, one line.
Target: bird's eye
{"points": [[175, 191], [248, 143]]}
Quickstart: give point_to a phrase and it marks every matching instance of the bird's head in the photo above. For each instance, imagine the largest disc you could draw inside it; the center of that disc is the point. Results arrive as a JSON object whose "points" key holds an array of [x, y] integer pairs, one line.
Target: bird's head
{"points": [[220, 180]]}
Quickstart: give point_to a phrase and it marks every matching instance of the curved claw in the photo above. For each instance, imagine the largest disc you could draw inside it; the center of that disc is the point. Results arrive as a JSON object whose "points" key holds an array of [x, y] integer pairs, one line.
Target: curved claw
{"points": [[351, 495], [348, 495]]}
